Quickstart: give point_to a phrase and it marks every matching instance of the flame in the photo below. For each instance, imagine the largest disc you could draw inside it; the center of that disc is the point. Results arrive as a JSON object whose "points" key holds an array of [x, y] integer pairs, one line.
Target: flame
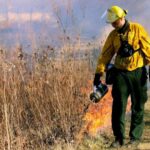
{"points": [[98, 116]]}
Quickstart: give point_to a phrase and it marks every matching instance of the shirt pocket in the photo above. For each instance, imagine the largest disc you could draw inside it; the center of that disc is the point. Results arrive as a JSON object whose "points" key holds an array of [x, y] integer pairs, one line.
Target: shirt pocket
{"points": [[133, 40], [116, 43], [131, 36]]}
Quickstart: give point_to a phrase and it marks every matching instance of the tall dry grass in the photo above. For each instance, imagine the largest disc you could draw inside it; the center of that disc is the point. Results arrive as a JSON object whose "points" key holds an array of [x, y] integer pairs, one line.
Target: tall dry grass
{"points": [[41, 102]]}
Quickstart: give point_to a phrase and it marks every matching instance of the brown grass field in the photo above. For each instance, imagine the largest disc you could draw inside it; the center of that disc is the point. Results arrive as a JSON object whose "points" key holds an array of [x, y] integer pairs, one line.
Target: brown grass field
{"points": [[43, 102]]}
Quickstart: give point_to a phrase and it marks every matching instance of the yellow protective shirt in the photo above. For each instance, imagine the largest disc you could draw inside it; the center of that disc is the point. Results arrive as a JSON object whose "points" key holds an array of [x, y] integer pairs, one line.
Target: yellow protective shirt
{"points": [[137, 37]]}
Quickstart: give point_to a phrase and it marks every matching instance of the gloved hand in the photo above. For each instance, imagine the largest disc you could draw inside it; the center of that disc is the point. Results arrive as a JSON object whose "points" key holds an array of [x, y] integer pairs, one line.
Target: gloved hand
{"points": [[97, 80]]}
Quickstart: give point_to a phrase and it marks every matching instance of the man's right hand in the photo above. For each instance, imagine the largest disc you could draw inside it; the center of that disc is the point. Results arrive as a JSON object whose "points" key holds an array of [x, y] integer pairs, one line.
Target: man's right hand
{"points": [[97, 80]]}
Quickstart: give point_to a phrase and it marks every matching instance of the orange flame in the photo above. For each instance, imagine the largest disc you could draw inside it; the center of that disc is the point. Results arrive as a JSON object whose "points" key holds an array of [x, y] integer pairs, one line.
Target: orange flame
{"points": [[98, 116]]}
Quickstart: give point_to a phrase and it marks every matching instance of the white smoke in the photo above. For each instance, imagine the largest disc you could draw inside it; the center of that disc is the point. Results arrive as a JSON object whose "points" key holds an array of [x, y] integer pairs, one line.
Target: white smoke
{"points": [[24, 17]]}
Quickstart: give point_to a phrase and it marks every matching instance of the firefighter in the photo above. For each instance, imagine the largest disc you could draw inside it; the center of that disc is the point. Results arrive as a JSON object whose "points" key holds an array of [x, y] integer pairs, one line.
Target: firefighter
{"points": [[129, 43]]}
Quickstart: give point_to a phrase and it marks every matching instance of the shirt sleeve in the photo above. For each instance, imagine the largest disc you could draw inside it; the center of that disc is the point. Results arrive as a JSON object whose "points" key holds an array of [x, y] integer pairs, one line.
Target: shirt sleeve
{"points": [[106, 55], [145, 44]]}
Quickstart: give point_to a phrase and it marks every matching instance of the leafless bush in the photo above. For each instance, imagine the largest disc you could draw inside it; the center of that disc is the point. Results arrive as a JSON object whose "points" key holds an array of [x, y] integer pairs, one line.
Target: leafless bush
{"points": [[41, 101]]}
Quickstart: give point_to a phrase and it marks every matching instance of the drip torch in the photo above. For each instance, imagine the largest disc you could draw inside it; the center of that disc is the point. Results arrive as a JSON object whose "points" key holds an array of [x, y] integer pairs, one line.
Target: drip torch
{"points": [[98, 92]]}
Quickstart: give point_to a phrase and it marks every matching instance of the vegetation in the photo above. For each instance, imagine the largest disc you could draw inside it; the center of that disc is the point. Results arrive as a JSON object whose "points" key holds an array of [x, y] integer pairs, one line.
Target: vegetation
{"points": [[41, 99]]}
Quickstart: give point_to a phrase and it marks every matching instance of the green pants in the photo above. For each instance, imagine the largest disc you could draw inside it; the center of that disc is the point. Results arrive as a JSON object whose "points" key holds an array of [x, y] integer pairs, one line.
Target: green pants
{"points": [[129, 83]]}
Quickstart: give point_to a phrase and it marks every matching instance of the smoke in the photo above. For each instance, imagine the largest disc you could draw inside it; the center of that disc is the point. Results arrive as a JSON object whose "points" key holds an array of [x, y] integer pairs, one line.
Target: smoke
{"points": [[48, 20]]}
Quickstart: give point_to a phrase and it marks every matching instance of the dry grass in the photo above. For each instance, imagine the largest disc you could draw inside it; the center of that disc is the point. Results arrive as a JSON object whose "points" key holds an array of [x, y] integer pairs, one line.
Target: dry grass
{"points": [[41, 103]]}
